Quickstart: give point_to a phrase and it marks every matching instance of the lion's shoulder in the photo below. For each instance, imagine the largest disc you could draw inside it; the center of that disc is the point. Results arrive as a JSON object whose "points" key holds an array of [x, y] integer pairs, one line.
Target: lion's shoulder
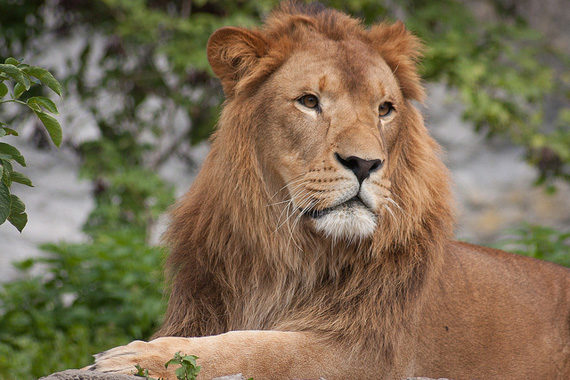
{"points": [[485, 269], [493, 255]]}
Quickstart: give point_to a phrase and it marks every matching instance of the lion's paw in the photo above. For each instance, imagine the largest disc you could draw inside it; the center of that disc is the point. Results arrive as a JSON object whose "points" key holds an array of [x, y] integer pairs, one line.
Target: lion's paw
{"points": [[124, 359]]}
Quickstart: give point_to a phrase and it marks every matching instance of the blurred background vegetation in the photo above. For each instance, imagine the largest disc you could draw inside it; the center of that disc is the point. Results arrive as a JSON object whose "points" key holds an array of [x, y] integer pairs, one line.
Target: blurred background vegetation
{"points": [[142, 68]]}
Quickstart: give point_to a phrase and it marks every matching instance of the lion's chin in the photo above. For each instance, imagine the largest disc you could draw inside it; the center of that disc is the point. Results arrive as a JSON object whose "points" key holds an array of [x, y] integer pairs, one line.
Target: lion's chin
{"points": [[346, 222]]}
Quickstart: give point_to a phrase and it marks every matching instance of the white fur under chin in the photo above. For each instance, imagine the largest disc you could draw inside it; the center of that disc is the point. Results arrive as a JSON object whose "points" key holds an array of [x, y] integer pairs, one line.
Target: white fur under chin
{"points": [[347, 223]]}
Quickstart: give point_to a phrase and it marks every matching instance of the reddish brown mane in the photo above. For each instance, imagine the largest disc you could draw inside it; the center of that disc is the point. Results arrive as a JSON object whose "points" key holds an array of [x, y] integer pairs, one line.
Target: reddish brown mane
{"points": [[230, 270]]}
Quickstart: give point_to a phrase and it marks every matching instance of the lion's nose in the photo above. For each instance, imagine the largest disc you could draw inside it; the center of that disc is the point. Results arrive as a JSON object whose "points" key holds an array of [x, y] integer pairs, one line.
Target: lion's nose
{"points": [[359, 166]]}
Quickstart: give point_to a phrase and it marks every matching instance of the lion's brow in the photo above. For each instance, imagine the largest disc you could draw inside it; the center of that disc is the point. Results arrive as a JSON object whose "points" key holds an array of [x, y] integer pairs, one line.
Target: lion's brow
{"points": [[352, 66], [322, 83]]}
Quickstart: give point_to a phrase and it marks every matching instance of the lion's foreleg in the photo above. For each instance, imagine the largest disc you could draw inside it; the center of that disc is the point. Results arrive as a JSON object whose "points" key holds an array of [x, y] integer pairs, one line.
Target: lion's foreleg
{"points": [[257, 354]]}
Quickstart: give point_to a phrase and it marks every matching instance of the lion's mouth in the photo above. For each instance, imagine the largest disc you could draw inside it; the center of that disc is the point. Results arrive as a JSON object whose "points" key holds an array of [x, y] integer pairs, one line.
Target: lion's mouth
{"points": [[347, 205]]}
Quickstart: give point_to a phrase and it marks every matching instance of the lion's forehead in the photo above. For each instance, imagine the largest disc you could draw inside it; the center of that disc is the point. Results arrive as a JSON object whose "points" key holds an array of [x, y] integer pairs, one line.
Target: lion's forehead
{"points": [[338, 67]]}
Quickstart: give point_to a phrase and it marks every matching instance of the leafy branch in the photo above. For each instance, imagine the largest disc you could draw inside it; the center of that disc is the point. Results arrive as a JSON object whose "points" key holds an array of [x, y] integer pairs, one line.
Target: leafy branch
{"points": [[188, 369], [19, 78], [142, 372]]}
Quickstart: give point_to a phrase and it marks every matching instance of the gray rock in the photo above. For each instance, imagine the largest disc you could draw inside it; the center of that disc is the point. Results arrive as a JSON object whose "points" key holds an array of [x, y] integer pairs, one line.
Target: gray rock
{"points": [[239, 376], [77, 374]]}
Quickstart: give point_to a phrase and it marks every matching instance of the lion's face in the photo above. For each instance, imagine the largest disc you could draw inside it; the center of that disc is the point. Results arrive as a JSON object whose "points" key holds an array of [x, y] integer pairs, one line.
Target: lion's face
{"points": [[334, 113], [325, 106]]}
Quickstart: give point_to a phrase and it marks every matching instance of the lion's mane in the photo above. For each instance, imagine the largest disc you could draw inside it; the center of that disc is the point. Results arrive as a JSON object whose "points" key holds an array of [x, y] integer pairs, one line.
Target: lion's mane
{"points": [[229, 267]]}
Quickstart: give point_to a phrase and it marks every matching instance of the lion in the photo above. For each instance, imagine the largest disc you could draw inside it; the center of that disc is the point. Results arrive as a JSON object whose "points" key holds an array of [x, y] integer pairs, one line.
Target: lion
{"points": [[316, 240]]}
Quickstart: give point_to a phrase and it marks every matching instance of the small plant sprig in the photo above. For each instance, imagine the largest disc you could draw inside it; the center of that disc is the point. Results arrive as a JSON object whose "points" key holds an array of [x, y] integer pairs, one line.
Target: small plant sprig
{"points": [[21, 77], [188, 370], [143, 372]]}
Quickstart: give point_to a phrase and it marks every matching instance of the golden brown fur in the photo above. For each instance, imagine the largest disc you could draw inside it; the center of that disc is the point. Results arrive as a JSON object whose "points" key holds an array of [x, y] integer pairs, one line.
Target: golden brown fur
{"points": [[402, 301]]}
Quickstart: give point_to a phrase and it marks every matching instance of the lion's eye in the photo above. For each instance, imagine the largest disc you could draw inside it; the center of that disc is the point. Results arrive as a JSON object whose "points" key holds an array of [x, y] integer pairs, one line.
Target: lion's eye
{"points": [[385, 109], [309, 101]]}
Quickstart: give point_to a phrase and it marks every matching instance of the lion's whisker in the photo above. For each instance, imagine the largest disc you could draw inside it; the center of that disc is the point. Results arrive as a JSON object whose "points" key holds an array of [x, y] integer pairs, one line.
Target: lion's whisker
{"points": [[277, 203], [294, 180], [286, 211], [296, 190], [391, 212], [286, 208], [300, 192], [298, 218], [293, 190], [292, 228], [288, 214], [395, 204]]}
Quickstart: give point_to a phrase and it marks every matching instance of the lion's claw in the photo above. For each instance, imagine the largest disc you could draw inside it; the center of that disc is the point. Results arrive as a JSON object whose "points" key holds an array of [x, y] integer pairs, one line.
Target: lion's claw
{"points": [[123, 359]]}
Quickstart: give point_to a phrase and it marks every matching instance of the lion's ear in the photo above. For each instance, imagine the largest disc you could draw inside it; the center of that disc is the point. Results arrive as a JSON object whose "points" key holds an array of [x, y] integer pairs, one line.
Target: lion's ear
{"points": [[401, 50], [233, 53]]}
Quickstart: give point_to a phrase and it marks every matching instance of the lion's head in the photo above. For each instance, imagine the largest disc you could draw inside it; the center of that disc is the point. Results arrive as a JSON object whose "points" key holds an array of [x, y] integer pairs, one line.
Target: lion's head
{"points": [[321, 167], [332, 125]]}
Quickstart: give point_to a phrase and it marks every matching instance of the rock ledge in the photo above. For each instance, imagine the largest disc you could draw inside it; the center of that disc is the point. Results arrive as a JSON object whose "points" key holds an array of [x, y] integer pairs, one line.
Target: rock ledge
{"points": [[77, 374]]}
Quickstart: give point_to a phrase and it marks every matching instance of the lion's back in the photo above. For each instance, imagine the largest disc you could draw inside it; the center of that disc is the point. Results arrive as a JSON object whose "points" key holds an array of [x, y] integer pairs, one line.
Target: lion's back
{"points": [[491, 310]]}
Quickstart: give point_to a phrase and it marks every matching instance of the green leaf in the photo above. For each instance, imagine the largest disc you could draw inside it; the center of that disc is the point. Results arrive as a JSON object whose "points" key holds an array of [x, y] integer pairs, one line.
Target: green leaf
{"points": [[34, 106], [42, 101], [5, 202], [7, 165], [2, 132], [12, 61], [171, 361], [6, 178], [21, 178], [52, 126], [46, 78], [6, 170], [10, 131], [181, 373], [12, 153], [24, 264], [17, 74], [18, 90], [5, 157], [17, 206], [17, 217], [188, 369], [3, 90]]}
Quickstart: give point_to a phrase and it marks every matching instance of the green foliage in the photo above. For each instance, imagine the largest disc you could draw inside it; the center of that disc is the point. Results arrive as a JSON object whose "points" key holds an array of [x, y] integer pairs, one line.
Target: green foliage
{"points": [[94, 295], [20, 77], [24, 357], [142, 372], [499, 70], [127, 194], [188, 369], [540, 242], [88, 298]]}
